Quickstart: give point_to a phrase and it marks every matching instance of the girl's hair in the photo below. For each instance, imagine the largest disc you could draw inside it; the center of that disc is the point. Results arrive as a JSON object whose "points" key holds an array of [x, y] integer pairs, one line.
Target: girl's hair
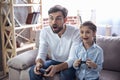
{"points": [[91, 26]]}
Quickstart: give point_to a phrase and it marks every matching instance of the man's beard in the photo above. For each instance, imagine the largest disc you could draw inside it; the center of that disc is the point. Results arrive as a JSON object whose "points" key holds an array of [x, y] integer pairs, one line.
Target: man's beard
{"points": [[56, 29]]}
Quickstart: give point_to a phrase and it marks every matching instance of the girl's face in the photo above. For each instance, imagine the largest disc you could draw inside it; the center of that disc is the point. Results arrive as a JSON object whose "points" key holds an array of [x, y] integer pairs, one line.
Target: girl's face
{"points": [[87, 34]]}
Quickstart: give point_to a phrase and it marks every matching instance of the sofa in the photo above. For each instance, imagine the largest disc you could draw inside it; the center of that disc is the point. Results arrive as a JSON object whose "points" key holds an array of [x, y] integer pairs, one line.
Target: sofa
{"points": [[20, 64], [111, 65]]}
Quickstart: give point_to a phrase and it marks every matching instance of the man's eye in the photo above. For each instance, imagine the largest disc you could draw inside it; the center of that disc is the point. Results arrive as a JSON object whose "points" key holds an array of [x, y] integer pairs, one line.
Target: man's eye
{"points": [[59, 18], [51, 18]]}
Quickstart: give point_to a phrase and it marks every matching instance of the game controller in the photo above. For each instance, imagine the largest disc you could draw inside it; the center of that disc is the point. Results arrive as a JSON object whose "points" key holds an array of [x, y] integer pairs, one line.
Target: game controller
{"points": [[43, 71], [82, 62]]}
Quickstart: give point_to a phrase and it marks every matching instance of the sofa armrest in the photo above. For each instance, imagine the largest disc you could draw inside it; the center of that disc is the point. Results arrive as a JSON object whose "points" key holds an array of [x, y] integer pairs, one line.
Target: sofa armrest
{"points": [[23, 60]]}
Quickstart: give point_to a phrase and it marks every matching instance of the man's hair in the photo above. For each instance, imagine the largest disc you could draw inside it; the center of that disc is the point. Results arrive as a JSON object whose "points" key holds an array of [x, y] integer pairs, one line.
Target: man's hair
{"points": [[57, 8]]}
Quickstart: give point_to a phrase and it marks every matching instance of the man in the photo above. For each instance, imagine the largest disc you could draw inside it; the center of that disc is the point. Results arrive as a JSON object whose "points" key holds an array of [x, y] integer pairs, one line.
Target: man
{"points": [[61, 40]]}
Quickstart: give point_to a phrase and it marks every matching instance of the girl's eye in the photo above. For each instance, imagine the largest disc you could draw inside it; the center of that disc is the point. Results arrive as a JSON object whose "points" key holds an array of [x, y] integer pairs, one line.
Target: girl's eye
{"points": [[87, 32], [81, 32]]}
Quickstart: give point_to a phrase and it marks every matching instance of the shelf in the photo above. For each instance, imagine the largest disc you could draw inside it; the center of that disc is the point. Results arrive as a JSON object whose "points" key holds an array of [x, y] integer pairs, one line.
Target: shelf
{"points": [[27, 26], [26, 46], [12, 33], [23, 5]]}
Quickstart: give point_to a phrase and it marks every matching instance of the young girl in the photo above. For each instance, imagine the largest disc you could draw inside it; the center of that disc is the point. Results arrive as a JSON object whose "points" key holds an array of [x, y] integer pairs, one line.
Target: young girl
{"points": [[89, 56]]}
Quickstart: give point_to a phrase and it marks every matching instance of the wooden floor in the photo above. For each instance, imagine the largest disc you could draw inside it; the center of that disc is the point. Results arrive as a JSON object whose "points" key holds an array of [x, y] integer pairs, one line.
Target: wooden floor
{"points": [[4, 77]]}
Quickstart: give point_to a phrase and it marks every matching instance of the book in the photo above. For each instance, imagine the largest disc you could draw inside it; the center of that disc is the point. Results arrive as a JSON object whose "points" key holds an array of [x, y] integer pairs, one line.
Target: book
{"points": [[36, 17], [29, 18], [32, 18]]}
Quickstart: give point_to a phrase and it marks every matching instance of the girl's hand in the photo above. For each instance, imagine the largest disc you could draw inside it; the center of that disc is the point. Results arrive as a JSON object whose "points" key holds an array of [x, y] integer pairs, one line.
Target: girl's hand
{"points": [[77, 63], [91, 64]]}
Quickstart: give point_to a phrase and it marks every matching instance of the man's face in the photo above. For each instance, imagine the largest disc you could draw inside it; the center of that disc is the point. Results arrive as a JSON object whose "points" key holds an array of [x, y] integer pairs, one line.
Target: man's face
{"points": [[56, 21]]}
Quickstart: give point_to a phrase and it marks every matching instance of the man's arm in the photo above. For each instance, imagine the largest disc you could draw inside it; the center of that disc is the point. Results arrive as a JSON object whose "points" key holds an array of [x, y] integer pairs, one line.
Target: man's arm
{"points": [[42, 52], [61, 66], [43, 47], [75, 43]]}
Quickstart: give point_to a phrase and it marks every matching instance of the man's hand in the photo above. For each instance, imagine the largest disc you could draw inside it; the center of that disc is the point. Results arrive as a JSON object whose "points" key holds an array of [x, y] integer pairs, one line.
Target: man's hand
{"points": [[51, 71], [37, 68]]}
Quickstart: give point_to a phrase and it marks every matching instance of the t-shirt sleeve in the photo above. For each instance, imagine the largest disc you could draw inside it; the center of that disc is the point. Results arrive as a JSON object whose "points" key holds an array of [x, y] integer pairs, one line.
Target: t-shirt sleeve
{"points": [[43, 45], [75, 42]]}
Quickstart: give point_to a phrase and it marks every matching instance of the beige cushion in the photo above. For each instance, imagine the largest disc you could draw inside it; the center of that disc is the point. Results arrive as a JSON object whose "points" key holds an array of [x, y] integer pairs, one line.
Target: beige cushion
{"points": [[24, 60]]}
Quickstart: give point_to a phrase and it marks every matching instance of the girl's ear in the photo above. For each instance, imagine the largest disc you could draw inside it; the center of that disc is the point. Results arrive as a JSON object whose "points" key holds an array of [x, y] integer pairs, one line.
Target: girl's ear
{"points": [[94, 34]]}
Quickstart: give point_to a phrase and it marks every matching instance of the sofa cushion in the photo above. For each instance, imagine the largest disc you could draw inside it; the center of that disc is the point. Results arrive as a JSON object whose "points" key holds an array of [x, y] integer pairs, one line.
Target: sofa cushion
{"points": [[111, 48], [23, 60], [109, 75]]}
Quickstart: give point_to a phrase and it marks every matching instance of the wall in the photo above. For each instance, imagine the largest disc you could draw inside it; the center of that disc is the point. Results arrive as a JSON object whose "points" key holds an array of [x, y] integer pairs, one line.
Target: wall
{"points": [[72, 20]]}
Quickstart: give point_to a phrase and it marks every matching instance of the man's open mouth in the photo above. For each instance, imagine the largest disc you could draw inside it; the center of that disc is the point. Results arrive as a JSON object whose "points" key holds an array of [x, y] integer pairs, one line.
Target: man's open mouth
{"points": [[55, 27], [85, 38]]}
